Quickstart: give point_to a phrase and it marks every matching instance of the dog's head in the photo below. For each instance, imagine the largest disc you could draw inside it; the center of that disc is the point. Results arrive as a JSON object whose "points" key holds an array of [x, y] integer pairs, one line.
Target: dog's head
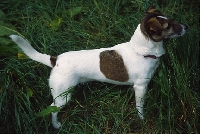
{"points": [[157, 27]]}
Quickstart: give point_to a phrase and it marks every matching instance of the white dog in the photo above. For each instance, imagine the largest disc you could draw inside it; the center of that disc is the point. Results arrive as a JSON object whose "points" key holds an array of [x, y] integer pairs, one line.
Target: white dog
{"points": [[130, 63]]}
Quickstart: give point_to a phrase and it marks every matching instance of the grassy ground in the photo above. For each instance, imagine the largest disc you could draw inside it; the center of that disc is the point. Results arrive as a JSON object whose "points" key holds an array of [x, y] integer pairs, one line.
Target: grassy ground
{"points": [[173, 99]]}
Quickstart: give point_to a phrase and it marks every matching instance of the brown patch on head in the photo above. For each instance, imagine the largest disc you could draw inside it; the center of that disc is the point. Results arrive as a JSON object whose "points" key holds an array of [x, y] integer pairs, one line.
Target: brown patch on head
{"points": [[53, 60], [112, 66], [156, 26]]}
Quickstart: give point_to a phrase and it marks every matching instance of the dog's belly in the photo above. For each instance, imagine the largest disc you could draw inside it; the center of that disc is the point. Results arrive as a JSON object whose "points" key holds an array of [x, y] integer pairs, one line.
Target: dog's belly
{"points": [[83, 80]]}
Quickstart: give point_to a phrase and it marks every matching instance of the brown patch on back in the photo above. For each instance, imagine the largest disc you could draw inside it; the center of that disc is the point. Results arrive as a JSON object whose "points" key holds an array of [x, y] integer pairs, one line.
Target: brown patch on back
{"points": [[53, 60], [112, 66]]}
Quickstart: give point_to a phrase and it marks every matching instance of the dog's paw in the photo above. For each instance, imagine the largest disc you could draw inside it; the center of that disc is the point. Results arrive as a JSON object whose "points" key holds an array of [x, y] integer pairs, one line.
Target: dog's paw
{"points": [[140, 112], [56, 125], [141, 116]]}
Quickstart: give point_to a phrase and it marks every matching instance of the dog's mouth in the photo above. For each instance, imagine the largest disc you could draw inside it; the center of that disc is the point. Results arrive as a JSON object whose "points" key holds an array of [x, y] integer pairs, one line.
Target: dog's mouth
{"points": [[181, 33]]}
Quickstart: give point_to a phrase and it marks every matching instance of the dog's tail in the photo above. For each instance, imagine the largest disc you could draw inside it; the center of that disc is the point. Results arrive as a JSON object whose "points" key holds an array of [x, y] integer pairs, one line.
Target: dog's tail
{"points": [[30, 51]]}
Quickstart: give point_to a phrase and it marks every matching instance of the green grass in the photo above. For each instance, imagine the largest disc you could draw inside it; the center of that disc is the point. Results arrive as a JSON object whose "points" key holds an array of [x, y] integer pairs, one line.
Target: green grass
{"points": [[173, 100]]}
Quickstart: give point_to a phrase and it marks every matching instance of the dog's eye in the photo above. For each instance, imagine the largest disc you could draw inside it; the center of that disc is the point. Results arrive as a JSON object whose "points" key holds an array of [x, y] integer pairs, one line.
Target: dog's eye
{"points": [[166, 26]]}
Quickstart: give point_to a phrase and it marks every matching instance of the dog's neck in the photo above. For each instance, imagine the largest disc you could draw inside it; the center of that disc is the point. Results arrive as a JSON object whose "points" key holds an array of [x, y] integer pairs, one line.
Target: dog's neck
{"points": [[144, 45]]}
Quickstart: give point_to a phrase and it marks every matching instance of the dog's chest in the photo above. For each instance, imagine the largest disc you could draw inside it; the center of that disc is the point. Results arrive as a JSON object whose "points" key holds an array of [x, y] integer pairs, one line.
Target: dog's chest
{"points": [[141, 67]]}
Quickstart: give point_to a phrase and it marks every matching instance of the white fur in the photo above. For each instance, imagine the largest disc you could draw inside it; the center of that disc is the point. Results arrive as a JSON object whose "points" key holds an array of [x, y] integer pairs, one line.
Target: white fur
{"points": [[81, 66], [30, 51]]}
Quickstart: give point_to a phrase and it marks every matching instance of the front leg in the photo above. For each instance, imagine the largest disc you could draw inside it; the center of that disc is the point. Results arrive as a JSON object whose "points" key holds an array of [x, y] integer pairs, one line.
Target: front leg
{"points": [[140, 91]]}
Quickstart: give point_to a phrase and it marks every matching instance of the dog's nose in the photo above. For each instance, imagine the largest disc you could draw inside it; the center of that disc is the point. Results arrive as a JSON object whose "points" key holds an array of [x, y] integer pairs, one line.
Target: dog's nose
{"points": [[185, 27]]}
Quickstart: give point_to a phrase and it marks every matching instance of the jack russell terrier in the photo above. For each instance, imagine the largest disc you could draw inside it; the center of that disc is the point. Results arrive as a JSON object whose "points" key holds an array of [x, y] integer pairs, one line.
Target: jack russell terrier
{"points": [[130, 63]]}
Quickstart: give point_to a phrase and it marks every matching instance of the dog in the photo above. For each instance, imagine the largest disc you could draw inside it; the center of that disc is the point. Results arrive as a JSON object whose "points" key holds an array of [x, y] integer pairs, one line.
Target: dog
{"points": [[131, 63]]}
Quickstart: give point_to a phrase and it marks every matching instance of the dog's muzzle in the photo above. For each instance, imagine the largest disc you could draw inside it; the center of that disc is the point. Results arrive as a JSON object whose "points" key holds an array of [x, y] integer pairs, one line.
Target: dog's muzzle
{"points": [[181, 33]]}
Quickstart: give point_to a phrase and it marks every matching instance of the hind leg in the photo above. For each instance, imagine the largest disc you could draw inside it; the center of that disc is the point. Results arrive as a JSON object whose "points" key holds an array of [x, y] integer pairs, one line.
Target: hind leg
{"points": [[60, 91]]}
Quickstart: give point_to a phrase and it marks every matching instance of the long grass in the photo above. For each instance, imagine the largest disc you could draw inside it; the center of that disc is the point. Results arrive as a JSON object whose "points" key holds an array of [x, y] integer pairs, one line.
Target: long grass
{"points": [[173, 100]]}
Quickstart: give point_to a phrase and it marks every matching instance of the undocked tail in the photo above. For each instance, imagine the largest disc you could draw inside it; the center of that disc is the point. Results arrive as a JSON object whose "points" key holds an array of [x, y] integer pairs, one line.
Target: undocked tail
{"points": [[30, 51]]}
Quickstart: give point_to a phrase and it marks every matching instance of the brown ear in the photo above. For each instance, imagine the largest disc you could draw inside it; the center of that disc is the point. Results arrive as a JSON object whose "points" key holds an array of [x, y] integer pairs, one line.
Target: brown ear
{"points": [[155, 30], [152, 9], [154, 27]]}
